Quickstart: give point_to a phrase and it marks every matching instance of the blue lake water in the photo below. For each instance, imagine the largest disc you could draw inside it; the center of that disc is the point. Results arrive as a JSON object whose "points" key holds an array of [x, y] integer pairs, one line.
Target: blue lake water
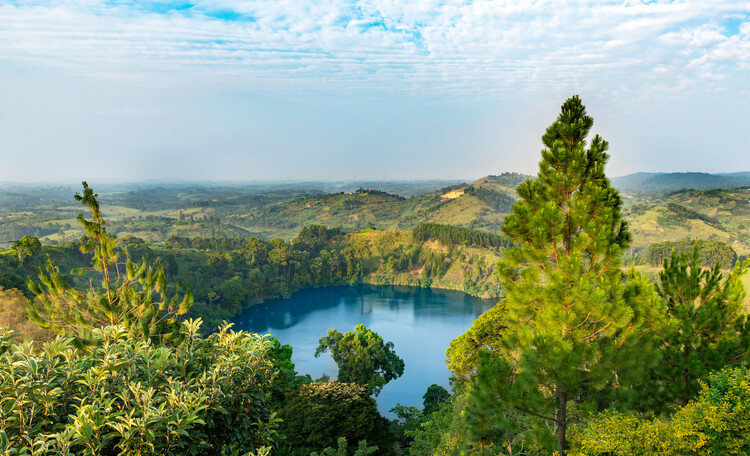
{"points": [[420, 323]]}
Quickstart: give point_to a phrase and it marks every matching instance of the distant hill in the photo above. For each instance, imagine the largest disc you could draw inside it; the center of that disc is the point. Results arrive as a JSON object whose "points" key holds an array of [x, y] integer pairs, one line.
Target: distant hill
{"points": [[713, 214], [645, 183]]}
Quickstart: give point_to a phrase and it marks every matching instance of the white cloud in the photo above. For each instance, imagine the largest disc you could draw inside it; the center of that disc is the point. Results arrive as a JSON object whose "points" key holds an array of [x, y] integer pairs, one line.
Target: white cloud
{"points": [[427, 45]]}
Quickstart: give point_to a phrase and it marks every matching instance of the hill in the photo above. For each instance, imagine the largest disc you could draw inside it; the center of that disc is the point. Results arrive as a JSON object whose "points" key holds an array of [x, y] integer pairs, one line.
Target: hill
{"points": [[716, 214], [157, 213], [154, 213], [652, 183]]}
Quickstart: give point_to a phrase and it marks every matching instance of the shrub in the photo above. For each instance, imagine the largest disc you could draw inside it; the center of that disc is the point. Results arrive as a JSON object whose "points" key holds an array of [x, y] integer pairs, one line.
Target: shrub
{"points": [[716, 423], [129, 396]]}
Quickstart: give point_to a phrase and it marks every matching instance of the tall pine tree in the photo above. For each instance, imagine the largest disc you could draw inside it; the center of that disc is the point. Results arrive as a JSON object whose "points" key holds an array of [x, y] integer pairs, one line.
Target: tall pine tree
{"points": [[573, 317]]}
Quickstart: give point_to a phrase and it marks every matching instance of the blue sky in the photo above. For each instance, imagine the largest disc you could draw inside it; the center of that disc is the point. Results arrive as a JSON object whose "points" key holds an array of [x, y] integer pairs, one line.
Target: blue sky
{"points": [[342, 89]]}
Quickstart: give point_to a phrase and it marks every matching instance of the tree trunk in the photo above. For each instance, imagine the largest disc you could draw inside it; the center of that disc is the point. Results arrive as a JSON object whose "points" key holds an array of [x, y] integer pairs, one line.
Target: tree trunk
{"points": [[562, 421]]}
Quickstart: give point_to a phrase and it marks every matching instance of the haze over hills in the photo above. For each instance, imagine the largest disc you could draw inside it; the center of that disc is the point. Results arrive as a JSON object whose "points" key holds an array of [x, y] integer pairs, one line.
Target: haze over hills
{"points": [[666, 182]]}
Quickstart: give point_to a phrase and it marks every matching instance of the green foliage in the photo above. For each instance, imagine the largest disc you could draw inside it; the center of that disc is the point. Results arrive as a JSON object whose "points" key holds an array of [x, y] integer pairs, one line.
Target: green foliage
{"points": [[203, 243], [362, 357], [433, 397], [576, 326], [224, 281], [408, 419], [287, 378], [712, 252], [449, 235], [9, 280], [129, 396], [318, 414], [341, 450], [716, 423], [137, 298], [441, 433], [491, 426], [485, 334], [317, 237], [708, 328], [26, 246]]}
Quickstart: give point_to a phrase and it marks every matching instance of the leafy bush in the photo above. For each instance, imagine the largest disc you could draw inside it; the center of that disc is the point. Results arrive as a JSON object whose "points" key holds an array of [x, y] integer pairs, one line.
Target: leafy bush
{"points": [[129, 396], [717, 423]]}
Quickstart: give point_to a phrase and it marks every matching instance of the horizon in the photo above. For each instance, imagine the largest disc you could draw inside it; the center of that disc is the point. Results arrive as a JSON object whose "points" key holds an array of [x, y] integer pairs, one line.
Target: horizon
{"points": [[229, 183], [220, 90]]}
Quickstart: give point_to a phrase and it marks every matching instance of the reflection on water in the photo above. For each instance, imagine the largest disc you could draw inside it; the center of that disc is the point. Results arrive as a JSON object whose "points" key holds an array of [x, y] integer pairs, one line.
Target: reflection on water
{"points": [[420, 322]]}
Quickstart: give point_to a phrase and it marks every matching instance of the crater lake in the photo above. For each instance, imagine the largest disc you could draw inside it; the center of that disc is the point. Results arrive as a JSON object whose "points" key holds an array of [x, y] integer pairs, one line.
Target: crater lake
{"points": [[421, 323]]}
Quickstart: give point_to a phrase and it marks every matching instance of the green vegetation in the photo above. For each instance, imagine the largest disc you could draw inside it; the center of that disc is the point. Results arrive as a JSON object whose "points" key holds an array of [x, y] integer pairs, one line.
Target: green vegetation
{"points": [[709, 328], [434, 397], [317, 414], [157, 213], [25, 247], [127, 300], [715, 423], [362, 357], [722, 217], [712, 252], [576, 335], [228, 275], [575, 324], [450, 235], [685, 213], [129, 396]]}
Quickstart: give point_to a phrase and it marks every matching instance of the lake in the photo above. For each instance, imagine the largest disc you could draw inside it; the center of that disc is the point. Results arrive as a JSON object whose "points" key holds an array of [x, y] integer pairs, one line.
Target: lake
{"points": [[420, 322]]}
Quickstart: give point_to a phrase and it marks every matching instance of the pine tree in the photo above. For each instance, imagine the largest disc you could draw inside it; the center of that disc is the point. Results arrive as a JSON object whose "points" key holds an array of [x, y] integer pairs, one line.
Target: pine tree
{"points": [[709, 327], [491, 427], [573, 318], [135, 297]]}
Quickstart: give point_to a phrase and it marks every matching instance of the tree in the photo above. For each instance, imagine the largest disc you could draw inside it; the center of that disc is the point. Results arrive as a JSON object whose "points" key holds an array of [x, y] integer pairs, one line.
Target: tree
{"points": [[362, 357], [485, 334], [25, 247], [136, 297], [317, 414], [709, 327], [433, 397], [490, 425], [408, 419], [572, 315]]}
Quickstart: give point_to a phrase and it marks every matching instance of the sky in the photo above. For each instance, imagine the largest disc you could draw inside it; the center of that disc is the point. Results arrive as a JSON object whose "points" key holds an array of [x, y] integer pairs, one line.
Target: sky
{"points": [[230, 90]]}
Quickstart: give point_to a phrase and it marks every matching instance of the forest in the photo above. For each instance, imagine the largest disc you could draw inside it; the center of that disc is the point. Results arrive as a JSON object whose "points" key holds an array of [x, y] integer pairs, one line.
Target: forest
{"points": [[609, 337]]}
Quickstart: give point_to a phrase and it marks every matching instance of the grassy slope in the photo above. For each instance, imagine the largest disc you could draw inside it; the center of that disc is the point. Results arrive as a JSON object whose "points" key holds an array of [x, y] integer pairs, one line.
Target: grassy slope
{"points": [[650, 220]]}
